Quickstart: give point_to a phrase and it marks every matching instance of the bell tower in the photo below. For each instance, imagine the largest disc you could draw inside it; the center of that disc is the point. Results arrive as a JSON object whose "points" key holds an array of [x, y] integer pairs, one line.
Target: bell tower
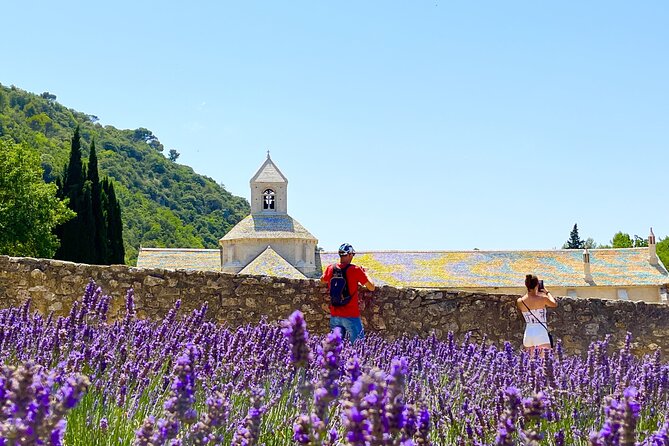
{"points": [[269, 190]]}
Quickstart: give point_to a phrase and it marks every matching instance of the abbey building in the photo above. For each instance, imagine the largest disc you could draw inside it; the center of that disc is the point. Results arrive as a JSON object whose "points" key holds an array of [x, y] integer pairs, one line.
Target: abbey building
{"points": [[267, 242], [271, 242]]}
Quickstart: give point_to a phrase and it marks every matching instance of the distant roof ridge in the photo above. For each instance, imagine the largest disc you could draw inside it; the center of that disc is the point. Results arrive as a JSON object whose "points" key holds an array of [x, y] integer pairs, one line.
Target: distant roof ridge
{"points": [[179, 249], [485, 250]]}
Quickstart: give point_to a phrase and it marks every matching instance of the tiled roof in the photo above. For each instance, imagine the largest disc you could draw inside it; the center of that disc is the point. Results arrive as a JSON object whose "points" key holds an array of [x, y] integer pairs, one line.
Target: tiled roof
{"points": [[269, 226], [269, 263], [477, 269], [269, 173], [177, 258]]}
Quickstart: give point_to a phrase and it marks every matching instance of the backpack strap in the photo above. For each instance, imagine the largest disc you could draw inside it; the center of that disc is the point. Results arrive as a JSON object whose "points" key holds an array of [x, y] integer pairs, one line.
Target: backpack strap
{"points": [[343, 270], [343, 275]]}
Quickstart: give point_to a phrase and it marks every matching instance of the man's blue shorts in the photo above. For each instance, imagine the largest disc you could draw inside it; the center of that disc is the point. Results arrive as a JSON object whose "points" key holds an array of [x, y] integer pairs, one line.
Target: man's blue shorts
{"points": [[351, 327]]}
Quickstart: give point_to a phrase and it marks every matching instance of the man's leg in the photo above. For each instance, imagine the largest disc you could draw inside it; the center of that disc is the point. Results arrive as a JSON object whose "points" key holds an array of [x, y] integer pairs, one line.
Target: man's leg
{"points": [[341, 323], [354, 325]]}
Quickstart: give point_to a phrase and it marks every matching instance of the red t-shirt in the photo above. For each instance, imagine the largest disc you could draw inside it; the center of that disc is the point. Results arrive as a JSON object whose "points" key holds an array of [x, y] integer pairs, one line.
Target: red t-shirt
{"points": [[354, 275]]}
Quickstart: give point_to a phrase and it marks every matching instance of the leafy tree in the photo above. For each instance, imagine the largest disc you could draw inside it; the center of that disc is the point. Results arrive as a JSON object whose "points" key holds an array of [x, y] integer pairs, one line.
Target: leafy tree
{"points": [[47, 161], [29, 208], [149, 187], [142, 134], [173, 155], [590, 243], [622, 240], [48, 96], [640, 242], [662, 249], [574, 241]]}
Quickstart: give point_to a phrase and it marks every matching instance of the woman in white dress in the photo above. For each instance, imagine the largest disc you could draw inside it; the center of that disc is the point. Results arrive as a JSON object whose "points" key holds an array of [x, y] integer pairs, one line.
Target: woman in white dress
{"points": [[533, 307]]}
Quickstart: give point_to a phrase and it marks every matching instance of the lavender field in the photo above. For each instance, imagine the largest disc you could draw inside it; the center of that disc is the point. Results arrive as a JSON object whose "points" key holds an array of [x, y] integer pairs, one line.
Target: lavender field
{"points": [[81, 380]]}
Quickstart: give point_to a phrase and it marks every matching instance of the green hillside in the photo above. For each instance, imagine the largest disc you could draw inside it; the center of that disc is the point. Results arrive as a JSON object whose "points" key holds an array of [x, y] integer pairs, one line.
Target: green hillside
{"points": [[165, 204]]}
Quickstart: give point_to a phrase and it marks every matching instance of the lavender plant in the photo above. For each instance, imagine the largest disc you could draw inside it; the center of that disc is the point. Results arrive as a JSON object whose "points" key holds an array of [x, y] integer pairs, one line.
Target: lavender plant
{"points": [[90, 379]]}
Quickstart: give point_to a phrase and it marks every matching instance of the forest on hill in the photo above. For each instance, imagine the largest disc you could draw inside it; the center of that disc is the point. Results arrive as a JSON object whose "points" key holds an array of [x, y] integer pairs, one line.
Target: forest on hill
{"points": [[164, 204]]}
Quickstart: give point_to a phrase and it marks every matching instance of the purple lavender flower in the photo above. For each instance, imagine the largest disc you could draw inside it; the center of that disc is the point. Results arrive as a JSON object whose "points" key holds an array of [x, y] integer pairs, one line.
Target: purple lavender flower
{"points": [[144, 436], [248, 432], [507, 424], [357, 427], [329, 359], [630, 414], [57, 433], [33, 412], [423, 434], [205, 430], [609, 434], [559, 438], [295, 330], [395, 405], [303, 430], [180, 404]]}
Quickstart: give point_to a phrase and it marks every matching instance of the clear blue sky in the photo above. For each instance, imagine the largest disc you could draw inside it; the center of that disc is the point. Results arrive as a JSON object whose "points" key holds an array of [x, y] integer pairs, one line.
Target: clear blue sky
{"points": [[400, 125]]}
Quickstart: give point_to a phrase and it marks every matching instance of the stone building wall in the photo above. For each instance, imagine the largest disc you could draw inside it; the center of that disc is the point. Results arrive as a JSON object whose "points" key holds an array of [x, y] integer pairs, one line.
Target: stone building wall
{"points": [[237, 300]]}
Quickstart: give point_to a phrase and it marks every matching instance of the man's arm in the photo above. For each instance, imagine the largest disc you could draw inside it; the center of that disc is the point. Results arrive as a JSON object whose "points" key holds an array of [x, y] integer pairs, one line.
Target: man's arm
{"points": [[364, 280], [324, 277]]}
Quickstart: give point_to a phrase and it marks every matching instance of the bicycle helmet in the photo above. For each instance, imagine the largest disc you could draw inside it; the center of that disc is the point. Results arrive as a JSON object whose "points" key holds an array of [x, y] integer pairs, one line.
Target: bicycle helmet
{"points": [[346, 249]]}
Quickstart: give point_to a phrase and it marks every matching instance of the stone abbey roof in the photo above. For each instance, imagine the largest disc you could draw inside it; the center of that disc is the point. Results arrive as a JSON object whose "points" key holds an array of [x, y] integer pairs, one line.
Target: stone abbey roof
{"points": [[484, 269], [180, 258], [269, 263], [446, 269], [268, 226]]}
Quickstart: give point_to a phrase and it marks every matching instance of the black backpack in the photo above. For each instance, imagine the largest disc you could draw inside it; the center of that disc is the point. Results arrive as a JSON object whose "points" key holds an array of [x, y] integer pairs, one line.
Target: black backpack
{"points": [[339, 293]]}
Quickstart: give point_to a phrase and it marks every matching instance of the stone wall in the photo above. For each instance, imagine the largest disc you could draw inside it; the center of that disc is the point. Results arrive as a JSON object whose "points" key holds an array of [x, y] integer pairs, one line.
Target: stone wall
{"points": [[236, 300]]}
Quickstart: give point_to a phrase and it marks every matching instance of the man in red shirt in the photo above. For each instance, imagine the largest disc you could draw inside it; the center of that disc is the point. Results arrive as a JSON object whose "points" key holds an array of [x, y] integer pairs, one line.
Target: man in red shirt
{"points": [[347, 317]]}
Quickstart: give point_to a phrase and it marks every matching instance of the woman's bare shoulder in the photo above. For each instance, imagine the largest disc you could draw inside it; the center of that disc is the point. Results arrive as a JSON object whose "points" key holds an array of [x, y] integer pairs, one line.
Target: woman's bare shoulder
{"points": [[520, 301]]}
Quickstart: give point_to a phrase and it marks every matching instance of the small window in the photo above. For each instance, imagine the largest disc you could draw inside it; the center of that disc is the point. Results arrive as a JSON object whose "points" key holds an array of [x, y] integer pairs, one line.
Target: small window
{"points": [[572, 293], [268, 199], [622, 294]]}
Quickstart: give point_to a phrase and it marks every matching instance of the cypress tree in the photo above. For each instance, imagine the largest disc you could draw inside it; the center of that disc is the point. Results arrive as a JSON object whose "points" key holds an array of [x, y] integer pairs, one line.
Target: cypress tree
{"points": [[95, 235], [71, 187], [86, 241], [116, 250], [574, 241], [99, 226], [73, 182]]}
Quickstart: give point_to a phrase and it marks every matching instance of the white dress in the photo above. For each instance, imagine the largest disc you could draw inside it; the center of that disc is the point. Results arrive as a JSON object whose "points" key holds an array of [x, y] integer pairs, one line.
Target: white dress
{"points": [[535, 333]]}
